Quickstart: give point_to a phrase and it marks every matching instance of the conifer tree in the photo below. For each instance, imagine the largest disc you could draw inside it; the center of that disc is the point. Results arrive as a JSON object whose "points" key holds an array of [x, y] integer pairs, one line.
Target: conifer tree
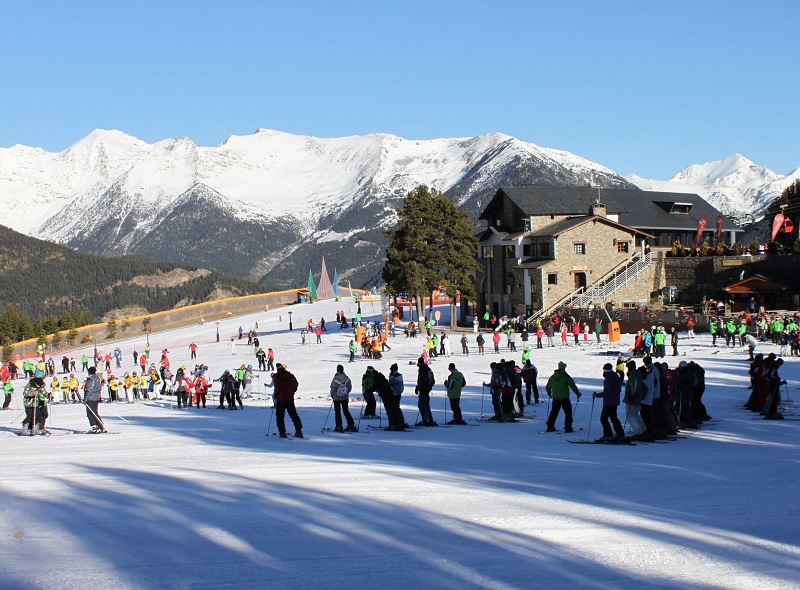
{"points": [[433, 246]]}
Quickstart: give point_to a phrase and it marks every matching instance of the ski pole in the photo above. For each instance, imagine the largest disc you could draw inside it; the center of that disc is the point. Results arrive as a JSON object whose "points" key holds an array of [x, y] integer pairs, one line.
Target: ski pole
{"points": [[361, 413], [269, 424], [483, 391], [380, 413], [328, 416], [96, 417], [786, 389], [445, 409], [33, 425], [591, 415]]}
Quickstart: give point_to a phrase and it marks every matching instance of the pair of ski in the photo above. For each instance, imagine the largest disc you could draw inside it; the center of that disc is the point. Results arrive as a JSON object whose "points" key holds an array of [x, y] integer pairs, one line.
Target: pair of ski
{"points": [[291, 436], [559, 431], [601, 442], [491, 421], [341, 431]]}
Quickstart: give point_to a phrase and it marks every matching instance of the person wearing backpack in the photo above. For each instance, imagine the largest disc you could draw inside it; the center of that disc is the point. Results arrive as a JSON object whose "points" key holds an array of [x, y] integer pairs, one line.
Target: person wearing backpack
{"points": [[396, 382], [454, 383], [425, 382], [558, 387], [341, 386]]}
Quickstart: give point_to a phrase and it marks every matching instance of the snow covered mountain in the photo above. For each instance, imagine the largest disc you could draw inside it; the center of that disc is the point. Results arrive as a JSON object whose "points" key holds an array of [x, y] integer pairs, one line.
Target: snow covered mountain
{"points": [[736, 186], [263, 206]]}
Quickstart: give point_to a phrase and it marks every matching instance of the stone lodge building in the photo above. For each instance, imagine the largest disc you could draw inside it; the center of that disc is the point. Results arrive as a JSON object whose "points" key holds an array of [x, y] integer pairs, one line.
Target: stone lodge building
{"points": [[543, 244]]}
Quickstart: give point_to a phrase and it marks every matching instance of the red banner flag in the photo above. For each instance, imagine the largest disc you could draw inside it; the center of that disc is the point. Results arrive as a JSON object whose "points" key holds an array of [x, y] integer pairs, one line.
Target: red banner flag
{"points": [[777, 224], [720, 221], [701, 226]]}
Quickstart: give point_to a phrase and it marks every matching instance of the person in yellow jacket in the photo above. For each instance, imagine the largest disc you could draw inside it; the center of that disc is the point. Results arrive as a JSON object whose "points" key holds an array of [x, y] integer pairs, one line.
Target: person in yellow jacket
{"points": [[113, 388], [155, 381], [55, 388], [127, 385], [144, 384], [73, 387]]}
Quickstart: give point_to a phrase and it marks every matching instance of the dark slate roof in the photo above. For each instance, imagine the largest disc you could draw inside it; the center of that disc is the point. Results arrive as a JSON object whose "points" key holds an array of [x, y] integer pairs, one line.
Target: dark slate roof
{"points": [[636, 208]]}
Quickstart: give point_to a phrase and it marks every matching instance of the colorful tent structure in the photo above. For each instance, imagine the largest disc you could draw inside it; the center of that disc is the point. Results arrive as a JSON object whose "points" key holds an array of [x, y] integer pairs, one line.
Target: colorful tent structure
{"points": [[335, 282], [312, 290], [325, 289]]}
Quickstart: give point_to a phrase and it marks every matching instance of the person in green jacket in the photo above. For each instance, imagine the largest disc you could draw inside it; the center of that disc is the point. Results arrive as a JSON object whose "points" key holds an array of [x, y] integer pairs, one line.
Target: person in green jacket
{"points": [[712, 327], [352, 348], [454, 383], [730, 333], [558, 387]]}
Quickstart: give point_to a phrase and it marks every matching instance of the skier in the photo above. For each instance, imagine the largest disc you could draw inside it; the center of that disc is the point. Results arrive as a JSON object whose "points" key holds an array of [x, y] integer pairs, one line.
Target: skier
{"points": [[341, 386], [425, 381], [225, 390], [633, 399], [285, 385], [91, 399], [558, 387], [381, 385], [261, 357], [464, 345], [396, 381], [529, 375], [352, 349], [35, 399], [481, 343], [612, 385], [8, 390], [454, 384], [233, 345], [193, 350], [270, 359], [367, 389]]}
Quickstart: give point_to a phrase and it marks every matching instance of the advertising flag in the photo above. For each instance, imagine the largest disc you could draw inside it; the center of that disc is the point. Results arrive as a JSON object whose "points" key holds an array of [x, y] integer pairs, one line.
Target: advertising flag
{"points": [[701, 226], [777, 224]]}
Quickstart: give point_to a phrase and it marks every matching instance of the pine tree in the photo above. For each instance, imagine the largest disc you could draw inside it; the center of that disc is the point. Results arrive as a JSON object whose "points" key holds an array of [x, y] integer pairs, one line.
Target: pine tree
{"points": [[433, 246]]}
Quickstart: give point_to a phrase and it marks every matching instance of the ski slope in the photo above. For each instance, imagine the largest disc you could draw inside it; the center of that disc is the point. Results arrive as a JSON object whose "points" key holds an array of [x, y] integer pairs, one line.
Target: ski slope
{"points": [[197, 499]]}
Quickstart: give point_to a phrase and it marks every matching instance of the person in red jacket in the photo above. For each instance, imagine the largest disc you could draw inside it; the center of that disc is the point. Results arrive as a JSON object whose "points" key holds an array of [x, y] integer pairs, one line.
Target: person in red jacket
{"points": [[285, 385]]}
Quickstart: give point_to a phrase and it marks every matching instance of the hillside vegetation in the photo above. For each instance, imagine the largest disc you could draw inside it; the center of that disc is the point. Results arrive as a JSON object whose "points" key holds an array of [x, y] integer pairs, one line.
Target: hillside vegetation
{"points": [[46, 287]]}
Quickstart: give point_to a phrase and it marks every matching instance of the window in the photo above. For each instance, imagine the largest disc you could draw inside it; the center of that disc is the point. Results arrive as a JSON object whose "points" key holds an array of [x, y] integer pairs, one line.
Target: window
{"points": [[544, 249], [552, 278], [488, 252], [511, 252], [579, 248], [680, 208], [622, 247], [526, 250]]}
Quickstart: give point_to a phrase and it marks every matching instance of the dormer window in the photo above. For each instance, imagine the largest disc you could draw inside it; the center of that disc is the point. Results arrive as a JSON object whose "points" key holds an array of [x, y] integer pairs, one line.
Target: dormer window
{"points": [[680, 208]]}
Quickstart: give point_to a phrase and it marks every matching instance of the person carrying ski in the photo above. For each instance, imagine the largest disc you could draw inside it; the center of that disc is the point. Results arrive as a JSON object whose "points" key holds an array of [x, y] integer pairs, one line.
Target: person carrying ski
{"points": [[612, 386], [558, 387]]}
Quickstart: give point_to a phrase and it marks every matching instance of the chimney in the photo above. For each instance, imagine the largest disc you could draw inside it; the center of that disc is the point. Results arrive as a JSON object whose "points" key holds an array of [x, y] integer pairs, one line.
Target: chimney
{"points": [[598, 209]]}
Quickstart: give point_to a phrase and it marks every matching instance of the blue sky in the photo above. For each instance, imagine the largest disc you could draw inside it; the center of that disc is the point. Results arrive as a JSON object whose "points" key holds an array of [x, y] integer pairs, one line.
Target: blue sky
{"points": [[639, 86]]}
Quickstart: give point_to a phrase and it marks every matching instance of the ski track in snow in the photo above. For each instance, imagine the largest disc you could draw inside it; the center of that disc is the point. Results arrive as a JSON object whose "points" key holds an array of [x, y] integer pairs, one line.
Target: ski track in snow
{"points": [[202, 499]]}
